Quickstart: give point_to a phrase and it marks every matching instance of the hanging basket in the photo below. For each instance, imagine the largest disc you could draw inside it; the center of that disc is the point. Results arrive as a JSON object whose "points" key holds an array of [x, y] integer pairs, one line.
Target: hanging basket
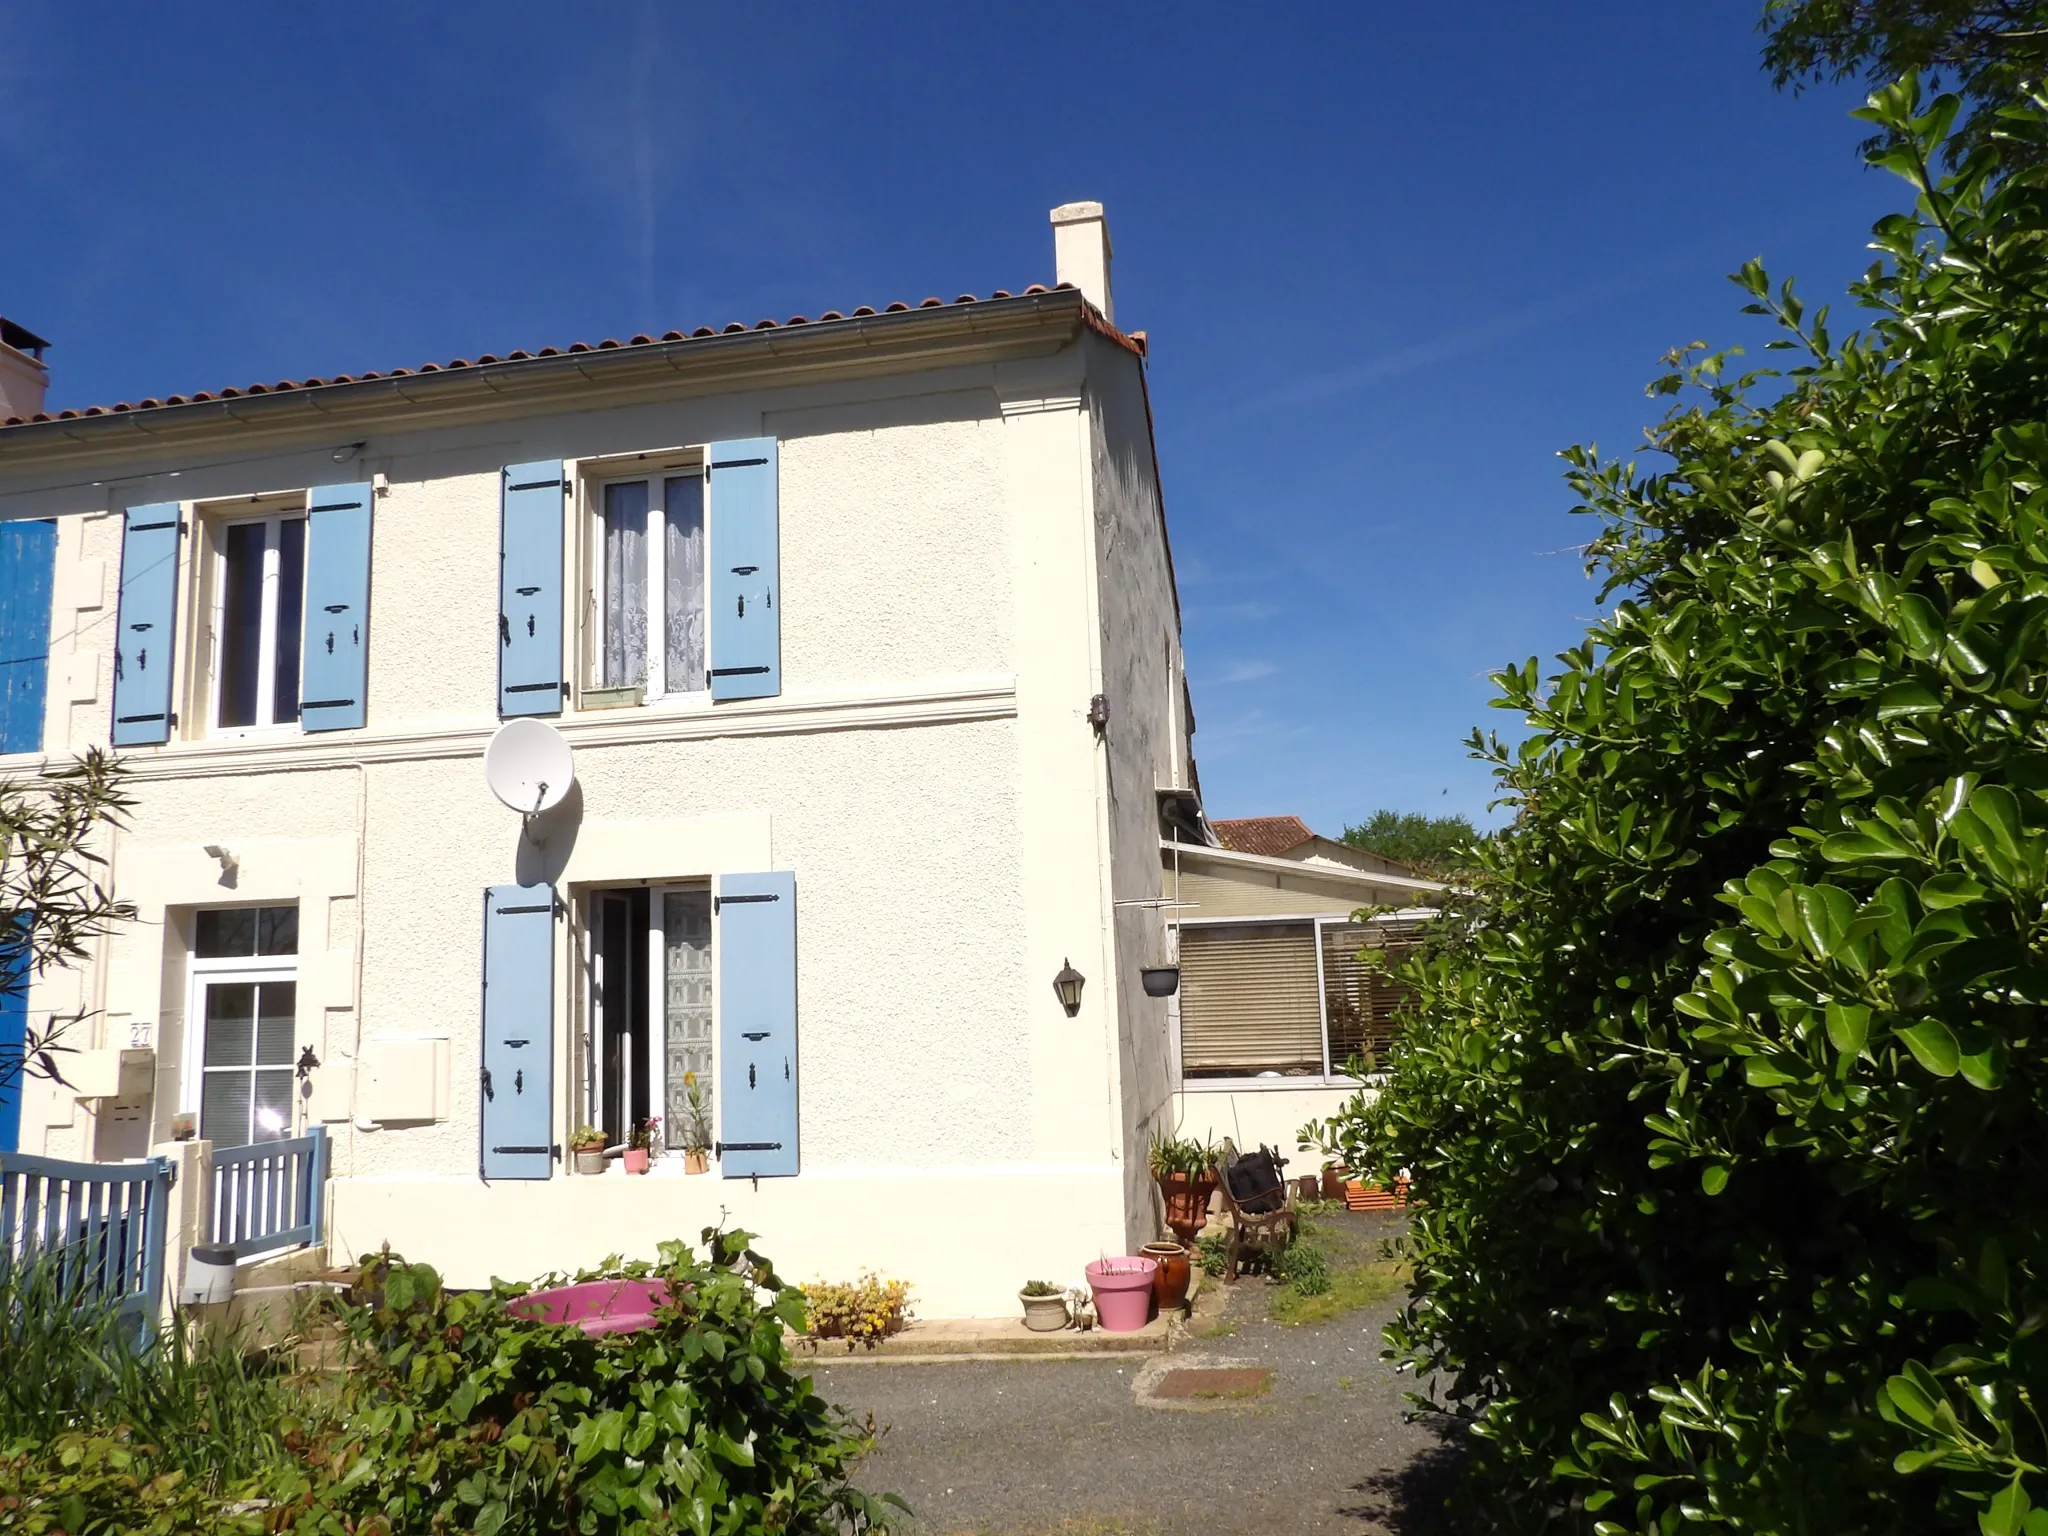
{"points": [[1160, 980]]}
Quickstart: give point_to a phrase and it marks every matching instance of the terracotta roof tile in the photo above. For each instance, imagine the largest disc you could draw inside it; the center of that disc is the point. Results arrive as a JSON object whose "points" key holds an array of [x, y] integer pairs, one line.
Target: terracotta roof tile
{"points": [[1092, 316], [1272, 836]]}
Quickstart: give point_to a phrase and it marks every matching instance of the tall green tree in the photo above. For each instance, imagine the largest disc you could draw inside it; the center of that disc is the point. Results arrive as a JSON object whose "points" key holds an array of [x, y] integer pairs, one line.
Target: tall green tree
{"points": [[53, 901], [1990, 52], [1429, 844], [1727, 1091]]}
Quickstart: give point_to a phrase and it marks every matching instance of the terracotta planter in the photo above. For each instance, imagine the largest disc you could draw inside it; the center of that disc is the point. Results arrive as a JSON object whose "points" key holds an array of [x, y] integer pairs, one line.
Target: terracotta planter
{"points": [[637, 1159], [1374, 1197], [1044, 1314], [696, 1162], [590, 1159], [1187, 1202], [1333, 1182], [1123, 1292], [1170, 1280]]}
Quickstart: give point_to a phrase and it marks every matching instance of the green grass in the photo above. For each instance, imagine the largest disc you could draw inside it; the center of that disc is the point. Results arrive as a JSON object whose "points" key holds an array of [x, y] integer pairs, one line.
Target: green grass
{"points": [[1351, 1287]]}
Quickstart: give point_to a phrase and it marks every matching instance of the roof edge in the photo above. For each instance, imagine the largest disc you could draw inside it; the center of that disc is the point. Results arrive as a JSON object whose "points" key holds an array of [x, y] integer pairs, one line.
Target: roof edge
{"points": [[566, 374]]}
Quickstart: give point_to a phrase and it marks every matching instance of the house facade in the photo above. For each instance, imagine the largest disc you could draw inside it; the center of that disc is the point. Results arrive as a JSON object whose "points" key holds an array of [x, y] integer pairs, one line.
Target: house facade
{"points": [[862, 634]]}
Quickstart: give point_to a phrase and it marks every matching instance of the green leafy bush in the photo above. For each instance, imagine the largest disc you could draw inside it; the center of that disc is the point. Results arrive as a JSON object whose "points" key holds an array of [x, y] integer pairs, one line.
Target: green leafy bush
{"points": [[452, 1415], [1212, 1252], [1727, 1087], [1183, 1155]]}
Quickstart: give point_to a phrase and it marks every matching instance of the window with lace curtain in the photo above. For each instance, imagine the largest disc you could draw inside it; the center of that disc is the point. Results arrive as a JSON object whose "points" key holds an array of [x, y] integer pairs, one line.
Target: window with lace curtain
{"points": [[649, 579]]}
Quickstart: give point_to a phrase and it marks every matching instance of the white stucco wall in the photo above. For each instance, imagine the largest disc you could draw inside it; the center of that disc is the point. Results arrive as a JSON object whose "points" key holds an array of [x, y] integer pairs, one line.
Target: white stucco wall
{"points": [[927, 772], [1144, 747]]}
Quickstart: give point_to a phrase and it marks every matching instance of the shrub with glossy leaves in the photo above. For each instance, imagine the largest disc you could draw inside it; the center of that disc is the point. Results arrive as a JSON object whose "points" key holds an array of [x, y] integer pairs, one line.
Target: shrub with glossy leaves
{"points": [[1727, 1094]]}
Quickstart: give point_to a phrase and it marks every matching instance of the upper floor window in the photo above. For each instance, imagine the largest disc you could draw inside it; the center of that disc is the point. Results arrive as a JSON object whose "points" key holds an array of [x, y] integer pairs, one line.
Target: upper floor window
{"points": [[650, 584], [259, 614]]}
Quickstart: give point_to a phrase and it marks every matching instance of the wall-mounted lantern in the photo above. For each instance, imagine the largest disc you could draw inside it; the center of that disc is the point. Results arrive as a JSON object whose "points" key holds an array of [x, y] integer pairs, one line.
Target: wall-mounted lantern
{"points": [[1067, 987]]}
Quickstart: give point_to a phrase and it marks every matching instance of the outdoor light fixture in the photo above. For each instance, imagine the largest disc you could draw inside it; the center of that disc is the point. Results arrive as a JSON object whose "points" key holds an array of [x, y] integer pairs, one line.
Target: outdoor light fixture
{"points": [[228, 862], [1067, 987]]}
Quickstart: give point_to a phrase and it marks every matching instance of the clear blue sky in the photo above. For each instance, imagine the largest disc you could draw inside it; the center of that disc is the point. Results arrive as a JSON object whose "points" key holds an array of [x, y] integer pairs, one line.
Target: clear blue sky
{"points": [[1391, 259]]}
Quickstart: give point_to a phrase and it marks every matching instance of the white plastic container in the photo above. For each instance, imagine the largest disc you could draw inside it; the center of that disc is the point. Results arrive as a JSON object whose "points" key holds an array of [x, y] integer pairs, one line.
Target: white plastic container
{"points": [[209, 1276]]}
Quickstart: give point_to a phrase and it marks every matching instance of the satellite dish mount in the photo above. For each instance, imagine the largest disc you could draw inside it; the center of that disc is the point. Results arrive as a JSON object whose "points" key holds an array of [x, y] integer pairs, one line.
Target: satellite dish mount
{"points": [[529, 768]]}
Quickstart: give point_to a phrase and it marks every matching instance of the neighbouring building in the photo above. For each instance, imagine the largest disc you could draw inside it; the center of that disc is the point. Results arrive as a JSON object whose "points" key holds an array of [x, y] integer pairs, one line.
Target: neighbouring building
{"points": [[1279, 990]]}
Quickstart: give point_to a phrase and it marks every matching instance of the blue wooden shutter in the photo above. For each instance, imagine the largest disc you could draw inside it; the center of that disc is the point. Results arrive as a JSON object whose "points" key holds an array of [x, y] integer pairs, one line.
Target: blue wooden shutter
{"points": [[143, 647], [746, 590], [518, 1076], [756, 990], [335, 667], [530, 590], [28, 561], [13, 1039]]}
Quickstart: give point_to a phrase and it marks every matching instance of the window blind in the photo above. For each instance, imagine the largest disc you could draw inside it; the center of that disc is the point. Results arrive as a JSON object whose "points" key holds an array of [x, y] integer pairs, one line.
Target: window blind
{"points": [[1248, 1000], [1363, 999]]}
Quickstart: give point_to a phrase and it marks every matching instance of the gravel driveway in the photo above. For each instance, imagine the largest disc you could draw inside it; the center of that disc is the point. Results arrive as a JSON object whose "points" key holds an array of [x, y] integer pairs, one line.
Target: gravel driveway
{"points": [[1030, 1448]]}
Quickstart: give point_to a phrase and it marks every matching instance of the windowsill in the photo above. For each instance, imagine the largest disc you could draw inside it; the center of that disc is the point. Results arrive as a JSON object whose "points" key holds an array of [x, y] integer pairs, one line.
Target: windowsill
{"points": [[255, 733], [1274, 1084], [668, 703]]}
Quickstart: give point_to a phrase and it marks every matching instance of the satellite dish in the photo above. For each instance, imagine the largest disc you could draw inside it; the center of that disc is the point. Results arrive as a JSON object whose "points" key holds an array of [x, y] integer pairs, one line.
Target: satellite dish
{"points": [[528, 766]]}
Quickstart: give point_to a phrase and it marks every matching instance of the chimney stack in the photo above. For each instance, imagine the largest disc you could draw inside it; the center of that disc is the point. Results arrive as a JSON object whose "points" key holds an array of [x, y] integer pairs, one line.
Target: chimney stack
{"points": [[24, 376], [1080, 251]]}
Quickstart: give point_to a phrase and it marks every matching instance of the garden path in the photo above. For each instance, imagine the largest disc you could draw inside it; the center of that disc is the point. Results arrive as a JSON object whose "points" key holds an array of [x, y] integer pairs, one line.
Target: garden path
{"points": [[1068, 1448]]}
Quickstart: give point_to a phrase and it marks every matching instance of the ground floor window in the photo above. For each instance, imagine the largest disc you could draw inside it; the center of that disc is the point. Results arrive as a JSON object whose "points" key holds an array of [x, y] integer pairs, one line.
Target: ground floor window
{"points": [[1287, 998], [239, 1070], [649, 1022]]}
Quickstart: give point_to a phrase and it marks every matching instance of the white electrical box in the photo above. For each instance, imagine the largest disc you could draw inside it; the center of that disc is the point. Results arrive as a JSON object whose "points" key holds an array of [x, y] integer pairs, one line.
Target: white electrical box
{"points": [[113, 1073], [403, 1077]]}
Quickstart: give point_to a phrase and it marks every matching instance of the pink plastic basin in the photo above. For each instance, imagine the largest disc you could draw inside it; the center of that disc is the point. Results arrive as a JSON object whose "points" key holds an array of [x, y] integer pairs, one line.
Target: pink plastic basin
{"points": [[596, 1306], [1123, 1292]]}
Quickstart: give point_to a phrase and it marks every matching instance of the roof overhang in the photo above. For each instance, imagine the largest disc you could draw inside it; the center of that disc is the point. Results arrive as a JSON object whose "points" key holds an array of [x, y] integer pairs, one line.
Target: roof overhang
{"points": [[941, 336], [1335, 873]]}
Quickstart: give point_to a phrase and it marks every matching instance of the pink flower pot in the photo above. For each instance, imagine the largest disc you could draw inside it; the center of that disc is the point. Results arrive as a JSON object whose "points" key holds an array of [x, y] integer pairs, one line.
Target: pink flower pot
{"points": [[596, 1306], [1123, 1292], [636, 1159]]}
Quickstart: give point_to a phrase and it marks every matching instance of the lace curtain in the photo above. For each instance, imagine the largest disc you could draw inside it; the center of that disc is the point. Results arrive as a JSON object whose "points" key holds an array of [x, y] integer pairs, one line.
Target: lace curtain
{"points": [[625, 583], [683, 599]]}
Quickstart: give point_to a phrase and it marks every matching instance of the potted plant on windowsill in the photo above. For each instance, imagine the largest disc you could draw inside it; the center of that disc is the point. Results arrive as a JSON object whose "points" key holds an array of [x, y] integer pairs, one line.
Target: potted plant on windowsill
{"points": [[1185, 1171], [640, 1144], [586, 1145], [1045, 1306], [696, 1126]]}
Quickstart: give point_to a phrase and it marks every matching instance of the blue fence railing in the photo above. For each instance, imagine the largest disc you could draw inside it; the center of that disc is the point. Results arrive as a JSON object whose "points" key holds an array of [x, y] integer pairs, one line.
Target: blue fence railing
{"points": [[103, 1224], [269, 1194]]}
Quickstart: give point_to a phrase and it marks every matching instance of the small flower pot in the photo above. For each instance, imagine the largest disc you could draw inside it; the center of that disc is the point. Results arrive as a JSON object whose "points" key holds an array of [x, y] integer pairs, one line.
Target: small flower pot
{"points": [[1170, 1280], [1044, 1314], [1122, 1288], [1333, 1182], [590, 1159], [637, 1159], [696, 1162]]}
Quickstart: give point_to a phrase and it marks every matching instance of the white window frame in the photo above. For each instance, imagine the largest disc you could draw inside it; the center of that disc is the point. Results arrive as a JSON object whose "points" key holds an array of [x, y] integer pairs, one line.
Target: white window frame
{"points": [[265, 723], [651, 469], [229, 968], [1330, 1077]]}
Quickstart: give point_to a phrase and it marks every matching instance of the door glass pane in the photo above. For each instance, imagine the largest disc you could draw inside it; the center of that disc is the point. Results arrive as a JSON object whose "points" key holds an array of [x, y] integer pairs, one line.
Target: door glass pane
{"points": [[277, 931], [686, 1009], [625, 583], [241, 622], [224, 1108], [683, 602], [230, 1023], [291, 607], [225, 931], [276, 1002], [273, 1117]]}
